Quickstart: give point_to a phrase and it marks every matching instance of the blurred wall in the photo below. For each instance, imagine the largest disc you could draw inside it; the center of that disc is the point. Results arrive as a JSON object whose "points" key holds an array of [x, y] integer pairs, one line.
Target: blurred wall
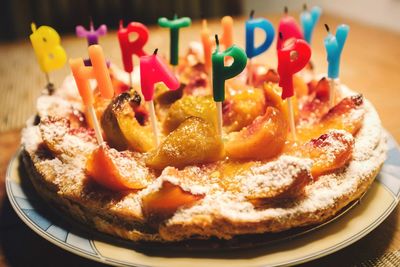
{"points": [[17, 15], [382, 13]]}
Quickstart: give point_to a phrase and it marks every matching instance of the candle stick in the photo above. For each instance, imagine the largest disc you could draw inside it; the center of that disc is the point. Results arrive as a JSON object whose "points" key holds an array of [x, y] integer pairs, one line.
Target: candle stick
{"points": [[152, 71], [98, 71], [308, 21], [174, 25], [334, 46], [289, 29], [251, 50], [46, 43], [222, 73], [227, 31], [130, 48], [291, 59]]}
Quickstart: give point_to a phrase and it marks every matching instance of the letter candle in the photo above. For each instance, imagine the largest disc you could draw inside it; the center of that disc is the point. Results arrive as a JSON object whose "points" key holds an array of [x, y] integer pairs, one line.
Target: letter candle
{"points": [[251, 50], [152, 71], [46, 43], [98, 71], [175, 24], [308, 21], [292, 58], [130, 48], [334, 46], [221, 73], [91, 35], [289, 29]]}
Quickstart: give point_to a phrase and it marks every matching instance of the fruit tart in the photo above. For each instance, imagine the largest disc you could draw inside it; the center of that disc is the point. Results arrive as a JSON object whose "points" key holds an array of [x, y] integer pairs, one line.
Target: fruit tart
{"points": [[195, 185]]}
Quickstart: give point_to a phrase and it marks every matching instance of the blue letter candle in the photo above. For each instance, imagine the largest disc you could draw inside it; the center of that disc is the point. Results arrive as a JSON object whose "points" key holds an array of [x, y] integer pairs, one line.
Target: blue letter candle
{"points": [[267, 27], [334, 46], [308, 21]]}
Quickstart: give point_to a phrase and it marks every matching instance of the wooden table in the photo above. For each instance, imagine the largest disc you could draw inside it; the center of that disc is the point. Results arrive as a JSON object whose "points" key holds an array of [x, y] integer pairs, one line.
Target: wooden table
{"points": [[370, 65]]}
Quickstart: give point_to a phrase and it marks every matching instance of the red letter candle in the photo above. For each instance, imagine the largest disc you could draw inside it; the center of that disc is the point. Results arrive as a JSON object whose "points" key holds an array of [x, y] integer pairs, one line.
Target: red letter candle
{"points": [[135, 47], [291, 59], [289, 29], [152, 71]]}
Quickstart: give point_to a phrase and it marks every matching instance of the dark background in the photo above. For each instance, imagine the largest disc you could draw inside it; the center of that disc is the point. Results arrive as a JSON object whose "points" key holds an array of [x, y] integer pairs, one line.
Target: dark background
{"points": [[17, 15]]}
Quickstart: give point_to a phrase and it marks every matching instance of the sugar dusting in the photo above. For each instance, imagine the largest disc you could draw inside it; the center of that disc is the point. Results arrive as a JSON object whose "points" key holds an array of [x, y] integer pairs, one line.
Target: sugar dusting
{"points": [[67, 172]]}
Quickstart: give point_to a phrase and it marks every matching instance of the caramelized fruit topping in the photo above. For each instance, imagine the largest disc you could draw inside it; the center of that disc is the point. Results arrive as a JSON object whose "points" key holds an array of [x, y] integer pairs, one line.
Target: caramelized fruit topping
{"points": [[162, 204], [263, 139], [195, 141], [114, 170]]}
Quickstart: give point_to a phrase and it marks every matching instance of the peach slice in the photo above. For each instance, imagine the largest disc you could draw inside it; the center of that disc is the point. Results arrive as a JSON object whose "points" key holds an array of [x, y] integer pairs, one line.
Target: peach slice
{"points": [[273, 98], [300, 87], [241, 108], [104, 166], [263, 75], [195, 141], [162, 204], [262, 139], [347, 115], [190, 106], [329, 152], [121, 126]]}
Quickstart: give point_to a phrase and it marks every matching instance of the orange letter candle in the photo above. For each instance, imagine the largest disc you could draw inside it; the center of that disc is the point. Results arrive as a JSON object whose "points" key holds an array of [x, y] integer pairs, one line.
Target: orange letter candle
{"points": [[98, 71]]}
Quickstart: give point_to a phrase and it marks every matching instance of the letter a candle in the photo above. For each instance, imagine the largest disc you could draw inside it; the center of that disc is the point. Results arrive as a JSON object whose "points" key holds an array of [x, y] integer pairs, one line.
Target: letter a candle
{"points": [[222, 73], [292, 58], [46, 43], [98, 71], [130, 48], [174, 25], [251, 50], [334, 46], [152, 71]]}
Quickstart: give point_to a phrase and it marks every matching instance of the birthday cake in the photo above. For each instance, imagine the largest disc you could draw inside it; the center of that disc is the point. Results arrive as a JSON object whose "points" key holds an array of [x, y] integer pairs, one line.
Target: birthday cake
{"points": [[254, 175]]}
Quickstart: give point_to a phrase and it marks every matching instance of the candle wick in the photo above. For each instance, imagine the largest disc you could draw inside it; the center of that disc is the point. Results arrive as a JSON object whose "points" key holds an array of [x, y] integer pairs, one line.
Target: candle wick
{"points": [[91, 23], [305, 7], [252, 13], [285, 10], [280, 35], [155, 51], [121, 23], [327, 27], [217, 41], [33, 26], [175, 16]]}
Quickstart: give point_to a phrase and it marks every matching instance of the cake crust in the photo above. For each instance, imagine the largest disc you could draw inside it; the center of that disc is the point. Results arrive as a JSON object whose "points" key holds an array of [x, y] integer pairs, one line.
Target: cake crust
{"points": [[223, 212]]}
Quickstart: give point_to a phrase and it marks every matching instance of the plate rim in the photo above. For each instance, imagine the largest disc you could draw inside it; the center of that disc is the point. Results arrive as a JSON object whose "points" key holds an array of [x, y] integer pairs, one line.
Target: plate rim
{"points": [[99, 258]]}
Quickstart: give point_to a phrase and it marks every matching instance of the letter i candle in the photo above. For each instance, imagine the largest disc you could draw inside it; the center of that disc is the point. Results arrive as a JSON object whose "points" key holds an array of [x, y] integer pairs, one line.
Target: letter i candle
{"points": [[222, 73], [292, 58], [334, 46], [98, 71], [152, 71]]}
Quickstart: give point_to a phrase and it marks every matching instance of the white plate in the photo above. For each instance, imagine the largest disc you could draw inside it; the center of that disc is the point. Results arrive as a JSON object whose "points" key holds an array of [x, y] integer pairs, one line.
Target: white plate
{"points": [[375, 206]]}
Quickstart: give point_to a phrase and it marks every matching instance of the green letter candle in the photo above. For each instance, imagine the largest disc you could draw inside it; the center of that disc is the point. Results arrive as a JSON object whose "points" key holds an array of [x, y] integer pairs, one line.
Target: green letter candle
{"points": [[174, 26], [220, 73]]}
